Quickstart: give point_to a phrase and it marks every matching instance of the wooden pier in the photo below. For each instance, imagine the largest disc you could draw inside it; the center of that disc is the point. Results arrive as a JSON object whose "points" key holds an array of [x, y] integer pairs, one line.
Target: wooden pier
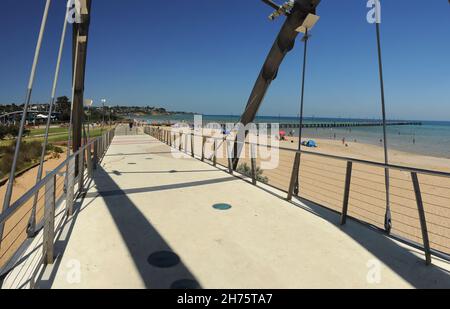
{"points": [[339, 124], [347, 124]]}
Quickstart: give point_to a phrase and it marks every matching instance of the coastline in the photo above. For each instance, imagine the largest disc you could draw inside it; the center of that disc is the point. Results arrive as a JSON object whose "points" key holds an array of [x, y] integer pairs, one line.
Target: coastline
{"points": [[370, 152]]}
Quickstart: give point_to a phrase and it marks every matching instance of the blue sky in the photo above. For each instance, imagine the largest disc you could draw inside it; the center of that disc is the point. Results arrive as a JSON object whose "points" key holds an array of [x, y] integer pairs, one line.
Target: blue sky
{"points": [[204, 56]]}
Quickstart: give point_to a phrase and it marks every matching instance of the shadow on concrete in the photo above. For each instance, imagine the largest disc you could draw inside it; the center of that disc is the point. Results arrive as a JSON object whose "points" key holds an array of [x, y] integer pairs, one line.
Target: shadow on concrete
{"points": [[399, 259], [138, 154], [46, 277], [107, 187], [139, 235], [118, 173]]}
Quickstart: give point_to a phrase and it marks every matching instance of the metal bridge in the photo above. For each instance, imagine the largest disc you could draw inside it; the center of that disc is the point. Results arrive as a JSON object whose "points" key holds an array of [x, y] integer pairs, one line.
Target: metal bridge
{"points": [[158, 207]]}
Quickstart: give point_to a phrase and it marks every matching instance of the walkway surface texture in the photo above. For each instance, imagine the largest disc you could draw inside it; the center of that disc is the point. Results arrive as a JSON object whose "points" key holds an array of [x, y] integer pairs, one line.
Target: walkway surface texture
{"points": [[143, 201]]}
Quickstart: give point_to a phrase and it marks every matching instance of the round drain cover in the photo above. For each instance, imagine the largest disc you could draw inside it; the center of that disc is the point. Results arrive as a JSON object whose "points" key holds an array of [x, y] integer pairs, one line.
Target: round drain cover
{"points": [[185, 284], [163, 259], [222, 206]]}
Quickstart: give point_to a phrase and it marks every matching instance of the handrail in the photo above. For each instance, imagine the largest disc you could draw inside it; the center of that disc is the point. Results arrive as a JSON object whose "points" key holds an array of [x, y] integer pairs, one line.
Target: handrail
{"points": [[170, 135], [30, 193], [340, 158], [101, 145]]}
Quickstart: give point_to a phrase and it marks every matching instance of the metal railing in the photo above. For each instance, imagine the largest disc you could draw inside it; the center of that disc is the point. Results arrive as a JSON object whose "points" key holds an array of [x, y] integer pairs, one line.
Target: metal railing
{"points": [[353, 188], [63, 184]]}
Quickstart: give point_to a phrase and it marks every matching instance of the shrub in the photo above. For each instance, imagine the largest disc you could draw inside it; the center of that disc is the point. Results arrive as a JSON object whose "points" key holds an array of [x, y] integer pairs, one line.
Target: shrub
{"points": [[11, 131], [30, 153], [246, 170]]}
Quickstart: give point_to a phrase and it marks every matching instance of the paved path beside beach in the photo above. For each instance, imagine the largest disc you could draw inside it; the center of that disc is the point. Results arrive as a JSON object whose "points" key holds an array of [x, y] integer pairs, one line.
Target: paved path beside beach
{"points": [[142, 202]]}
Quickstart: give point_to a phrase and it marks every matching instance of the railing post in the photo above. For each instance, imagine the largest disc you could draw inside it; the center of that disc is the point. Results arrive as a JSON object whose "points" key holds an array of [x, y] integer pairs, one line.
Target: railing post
{"points": [[348, 181], [294, 175], [215, 153], [70, 182], [89, 161], [181, 146], [203, 148], [253, 160], [100, 147], [49, 222], [229, 156], [95, 154], [185, 143], [80, 170], [192, 145], [423, 221]]}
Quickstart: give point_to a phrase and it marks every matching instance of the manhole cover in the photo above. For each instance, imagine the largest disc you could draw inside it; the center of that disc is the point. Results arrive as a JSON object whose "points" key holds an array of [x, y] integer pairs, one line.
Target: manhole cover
{"points": [[163, 259], [185, 284], [222, 206]]}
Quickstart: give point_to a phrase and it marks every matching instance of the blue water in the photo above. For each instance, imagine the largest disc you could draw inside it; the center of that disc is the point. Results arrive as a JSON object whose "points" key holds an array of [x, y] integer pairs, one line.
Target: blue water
{"points": [[431, 138]]}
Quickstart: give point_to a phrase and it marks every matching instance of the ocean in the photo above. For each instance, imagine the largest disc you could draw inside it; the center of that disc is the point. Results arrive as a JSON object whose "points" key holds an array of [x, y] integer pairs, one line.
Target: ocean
{"points": [[432, 138]]}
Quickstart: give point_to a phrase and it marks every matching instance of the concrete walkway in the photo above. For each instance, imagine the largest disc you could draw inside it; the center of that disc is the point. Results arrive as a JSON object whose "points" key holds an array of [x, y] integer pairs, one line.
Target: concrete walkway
{"points": [[144, 201]]}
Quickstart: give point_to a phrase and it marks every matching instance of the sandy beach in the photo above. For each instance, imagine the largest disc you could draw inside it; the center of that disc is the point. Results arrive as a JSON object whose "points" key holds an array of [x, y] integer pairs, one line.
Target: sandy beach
{"points": [[15, 228], [322, 181]]}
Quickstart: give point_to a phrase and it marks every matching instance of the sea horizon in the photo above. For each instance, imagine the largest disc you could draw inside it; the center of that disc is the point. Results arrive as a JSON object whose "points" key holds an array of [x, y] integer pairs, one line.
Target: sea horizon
{"points": [[432, 138]]}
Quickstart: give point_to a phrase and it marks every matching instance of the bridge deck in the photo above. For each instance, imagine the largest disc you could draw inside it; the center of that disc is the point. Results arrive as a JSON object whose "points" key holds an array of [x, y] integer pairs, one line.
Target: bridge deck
{"points": [[143, 201]]}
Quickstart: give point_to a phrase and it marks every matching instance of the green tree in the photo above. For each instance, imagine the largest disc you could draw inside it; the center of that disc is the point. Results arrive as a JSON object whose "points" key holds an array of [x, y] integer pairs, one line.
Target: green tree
{"points": [[62, 106]]}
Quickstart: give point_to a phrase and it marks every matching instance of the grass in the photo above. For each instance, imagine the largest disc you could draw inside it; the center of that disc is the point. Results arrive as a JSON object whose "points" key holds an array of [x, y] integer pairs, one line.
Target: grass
{"points": [[31, 147], [29, 155], [56, 135]]}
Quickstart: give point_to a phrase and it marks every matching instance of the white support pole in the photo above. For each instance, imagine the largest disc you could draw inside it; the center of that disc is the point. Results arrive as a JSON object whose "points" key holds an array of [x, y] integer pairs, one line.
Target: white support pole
{"points": [[32, 222], [9, 189]]}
